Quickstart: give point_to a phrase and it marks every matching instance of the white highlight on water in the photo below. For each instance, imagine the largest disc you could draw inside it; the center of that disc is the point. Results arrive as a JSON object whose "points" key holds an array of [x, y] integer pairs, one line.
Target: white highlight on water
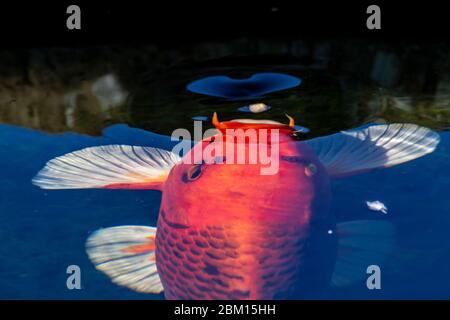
{"points": [[377, 206]]}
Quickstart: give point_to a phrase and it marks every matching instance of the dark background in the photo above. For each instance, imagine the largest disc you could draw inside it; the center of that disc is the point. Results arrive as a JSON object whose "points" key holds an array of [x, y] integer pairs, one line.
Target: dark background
{"points": [[43, 23]]}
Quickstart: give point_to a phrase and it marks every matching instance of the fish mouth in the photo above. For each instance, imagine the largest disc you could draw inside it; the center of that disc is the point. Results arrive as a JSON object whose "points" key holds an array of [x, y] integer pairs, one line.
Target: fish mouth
{"points": [[256, 121], [252, 123]]}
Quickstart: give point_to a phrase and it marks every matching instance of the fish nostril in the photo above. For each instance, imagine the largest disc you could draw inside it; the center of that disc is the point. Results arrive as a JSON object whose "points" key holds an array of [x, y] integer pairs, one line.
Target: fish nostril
{"points": [[310, 170]]}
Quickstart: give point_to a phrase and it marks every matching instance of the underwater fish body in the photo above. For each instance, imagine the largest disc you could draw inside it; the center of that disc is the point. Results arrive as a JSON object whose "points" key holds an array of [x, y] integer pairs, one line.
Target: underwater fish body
{"points": [[224, 230]]}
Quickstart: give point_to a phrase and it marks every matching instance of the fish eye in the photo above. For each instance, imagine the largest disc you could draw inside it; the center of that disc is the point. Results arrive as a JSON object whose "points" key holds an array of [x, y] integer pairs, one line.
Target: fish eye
{"points": [[193, 173]]}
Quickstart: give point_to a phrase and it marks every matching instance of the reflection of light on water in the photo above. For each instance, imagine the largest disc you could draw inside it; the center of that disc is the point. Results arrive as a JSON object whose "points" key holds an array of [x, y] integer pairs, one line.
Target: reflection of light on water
{"points": [[255, 108], [430, 110], [386, 68], [402, 103], [377, 206], [70, 101], [109, 91], [299, 130], [105, 92], [200, 118]]}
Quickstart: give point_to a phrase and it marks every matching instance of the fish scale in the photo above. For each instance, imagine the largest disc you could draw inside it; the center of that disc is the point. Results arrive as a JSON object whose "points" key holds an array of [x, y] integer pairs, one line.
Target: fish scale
{"points": [[211, 263]]}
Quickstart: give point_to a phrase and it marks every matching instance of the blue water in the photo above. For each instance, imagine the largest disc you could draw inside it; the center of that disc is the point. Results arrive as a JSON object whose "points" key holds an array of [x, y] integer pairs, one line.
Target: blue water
{"points": [[42, 232]]}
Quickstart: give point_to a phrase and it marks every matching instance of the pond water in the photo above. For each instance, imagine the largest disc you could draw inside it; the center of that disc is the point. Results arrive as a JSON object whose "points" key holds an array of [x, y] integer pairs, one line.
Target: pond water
{"points": [[59, 102]]}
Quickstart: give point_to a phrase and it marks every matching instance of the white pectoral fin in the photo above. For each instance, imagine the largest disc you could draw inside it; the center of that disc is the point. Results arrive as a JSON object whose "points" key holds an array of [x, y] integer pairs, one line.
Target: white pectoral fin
{"points": [[127, 255], [111, 166], [377, 146], [361, 244]]}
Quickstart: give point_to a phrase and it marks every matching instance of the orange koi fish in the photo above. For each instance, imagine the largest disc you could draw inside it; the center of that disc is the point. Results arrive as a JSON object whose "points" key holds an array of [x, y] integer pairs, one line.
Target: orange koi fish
{"points": [[224, 230]]}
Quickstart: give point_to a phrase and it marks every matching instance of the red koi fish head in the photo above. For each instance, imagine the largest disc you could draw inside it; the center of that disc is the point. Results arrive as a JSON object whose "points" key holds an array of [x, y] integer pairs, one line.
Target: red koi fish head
{"points": [[251, 171]]}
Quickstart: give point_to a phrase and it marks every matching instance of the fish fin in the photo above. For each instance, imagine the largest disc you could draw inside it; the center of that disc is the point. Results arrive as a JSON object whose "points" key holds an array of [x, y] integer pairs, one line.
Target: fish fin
{"points": [[127, 255], [361, 243], [376, 146], [111, 167]]}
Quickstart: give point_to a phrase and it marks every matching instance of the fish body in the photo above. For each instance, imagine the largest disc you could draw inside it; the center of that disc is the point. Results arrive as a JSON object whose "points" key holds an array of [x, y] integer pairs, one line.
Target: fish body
{"points": [[222, 262], [232, 233]]}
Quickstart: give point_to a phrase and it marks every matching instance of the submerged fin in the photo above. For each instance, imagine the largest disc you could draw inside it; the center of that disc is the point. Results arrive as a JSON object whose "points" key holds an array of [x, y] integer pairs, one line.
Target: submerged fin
{"points": [[127, 255], [377, 146], [112, 166], [361, 243]]}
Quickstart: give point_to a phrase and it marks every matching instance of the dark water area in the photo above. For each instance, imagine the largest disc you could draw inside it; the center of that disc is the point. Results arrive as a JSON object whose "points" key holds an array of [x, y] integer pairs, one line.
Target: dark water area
{"points": [[57, 100]]}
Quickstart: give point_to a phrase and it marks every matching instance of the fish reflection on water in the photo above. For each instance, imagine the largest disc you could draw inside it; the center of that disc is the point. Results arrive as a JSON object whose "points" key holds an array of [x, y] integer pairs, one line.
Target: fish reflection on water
{"points": [[228, 232], [254, 86]]}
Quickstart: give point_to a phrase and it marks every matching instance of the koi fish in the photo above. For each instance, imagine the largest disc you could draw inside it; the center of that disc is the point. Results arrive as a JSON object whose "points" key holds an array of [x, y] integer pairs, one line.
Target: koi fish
{"points": [[225, 231]]}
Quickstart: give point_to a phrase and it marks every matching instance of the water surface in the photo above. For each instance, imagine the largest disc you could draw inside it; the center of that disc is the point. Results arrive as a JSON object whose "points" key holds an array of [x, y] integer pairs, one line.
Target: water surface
{"points": [[58, 102]]}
